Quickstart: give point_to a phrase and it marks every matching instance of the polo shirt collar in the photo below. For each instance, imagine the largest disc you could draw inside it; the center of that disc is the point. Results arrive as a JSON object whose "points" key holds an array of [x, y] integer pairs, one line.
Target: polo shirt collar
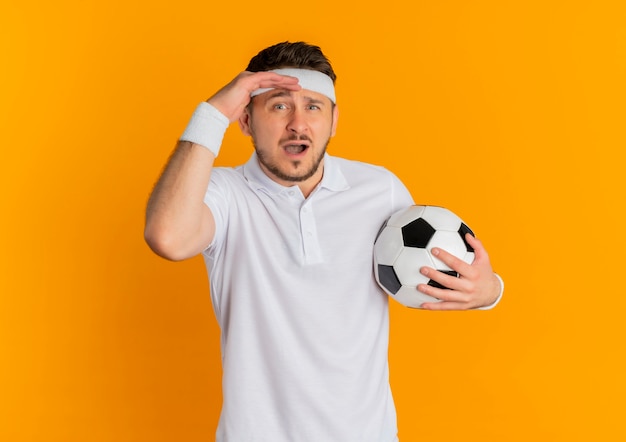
{"points": [[333, 178]]}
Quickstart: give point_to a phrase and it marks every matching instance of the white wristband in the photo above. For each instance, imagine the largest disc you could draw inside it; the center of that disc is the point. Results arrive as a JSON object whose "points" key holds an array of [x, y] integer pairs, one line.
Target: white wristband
{"points": [[206, 127]]}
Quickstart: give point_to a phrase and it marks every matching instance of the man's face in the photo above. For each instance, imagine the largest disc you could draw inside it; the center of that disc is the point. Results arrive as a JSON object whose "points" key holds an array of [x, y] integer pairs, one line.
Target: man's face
{"points": [[290, 131]]}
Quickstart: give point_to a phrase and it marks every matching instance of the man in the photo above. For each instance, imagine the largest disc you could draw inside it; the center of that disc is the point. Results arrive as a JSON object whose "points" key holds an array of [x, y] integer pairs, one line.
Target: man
{"points": [[287, 240]]}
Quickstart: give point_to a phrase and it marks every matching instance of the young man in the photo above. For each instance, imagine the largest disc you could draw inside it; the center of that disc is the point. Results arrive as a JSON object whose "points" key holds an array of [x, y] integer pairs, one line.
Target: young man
{"points": [[287, 240]]}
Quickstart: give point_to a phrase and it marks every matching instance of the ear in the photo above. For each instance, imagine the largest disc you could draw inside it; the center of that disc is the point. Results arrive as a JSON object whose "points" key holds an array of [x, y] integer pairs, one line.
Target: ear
{"points": [[333, 128], [244, 122]]}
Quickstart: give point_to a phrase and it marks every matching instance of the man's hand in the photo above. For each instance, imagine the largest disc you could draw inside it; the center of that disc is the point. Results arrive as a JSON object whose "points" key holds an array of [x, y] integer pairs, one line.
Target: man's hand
{"points": [[477, 285], [233, 98]]}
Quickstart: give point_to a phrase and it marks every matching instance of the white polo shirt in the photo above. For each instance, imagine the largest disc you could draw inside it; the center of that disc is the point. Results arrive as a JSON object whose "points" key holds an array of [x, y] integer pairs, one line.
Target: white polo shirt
{"points": [[304, 325]]}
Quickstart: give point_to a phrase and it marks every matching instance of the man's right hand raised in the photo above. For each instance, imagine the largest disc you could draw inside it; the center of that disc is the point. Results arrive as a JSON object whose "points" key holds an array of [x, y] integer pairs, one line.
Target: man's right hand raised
{"points": [[233, 98]]}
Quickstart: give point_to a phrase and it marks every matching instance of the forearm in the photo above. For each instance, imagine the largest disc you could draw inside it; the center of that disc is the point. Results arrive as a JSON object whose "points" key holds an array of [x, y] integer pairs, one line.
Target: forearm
{"points": [[178, 223]]}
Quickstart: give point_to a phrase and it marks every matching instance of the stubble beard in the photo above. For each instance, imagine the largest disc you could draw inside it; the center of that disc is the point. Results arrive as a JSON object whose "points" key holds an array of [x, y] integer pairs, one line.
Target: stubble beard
{"points": [[275, 169]]}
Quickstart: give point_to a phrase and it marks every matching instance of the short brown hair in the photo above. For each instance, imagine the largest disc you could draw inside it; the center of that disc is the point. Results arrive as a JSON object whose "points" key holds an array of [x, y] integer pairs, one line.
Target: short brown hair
{"points": [[292, 55]]}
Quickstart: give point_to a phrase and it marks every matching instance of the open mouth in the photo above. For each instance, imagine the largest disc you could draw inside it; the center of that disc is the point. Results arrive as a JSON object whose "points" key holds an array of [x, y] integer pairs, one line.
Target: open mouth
{"points": [[295, 149]]}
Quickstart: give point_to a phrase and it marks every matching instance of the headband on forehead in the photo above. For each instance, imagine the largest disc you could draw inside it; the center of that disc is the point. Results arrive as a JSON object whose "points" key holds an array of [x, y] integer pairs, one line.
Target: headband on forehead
{"points": [[308, 79]]}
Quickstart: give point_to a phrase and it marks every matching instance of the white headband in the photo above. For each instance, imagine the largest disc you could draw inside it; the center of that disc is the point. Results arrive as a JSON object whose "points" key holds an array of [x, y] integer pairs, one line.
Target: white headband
{"points": [[308, 79]]}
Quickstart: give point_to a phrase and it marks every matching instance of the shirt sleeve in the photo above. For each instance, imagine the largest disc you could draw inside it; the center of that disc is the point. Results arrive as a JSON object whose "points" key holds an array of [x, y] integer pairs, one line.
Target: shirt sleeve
{"points": [[400, 196], [217, 197]]}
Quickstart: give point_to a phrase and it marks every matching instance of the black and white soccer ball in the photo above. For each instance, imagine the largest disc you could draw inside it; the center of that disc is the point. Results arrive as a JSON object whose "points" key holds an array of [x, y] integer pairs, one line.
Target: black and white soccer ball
{"points": [[403, 246]]}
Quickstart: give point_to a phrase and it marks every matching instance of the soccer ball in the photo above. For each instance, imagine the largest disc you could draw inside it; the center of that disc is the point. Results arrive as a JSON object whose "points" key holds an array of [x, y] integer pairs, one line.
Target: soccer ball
{"points": [[403, 246]]}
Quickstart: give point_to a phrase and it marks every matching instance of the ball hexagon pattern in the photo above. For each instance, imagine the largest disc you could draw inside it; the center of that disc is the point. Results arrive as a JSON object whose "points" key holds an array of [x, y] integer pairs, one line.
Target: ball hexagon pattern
{"points": [[403, 246]]}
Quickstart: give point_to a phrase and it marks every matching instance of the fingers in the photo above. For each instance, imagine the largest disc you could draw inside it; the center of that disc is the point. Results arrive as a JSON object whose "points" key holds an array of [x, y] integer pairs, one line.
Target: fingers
{"points": [[456, 295], [480, 262], [261, 80], [444, 306], [248, 82], [232, 99], [480, 253], [448, 281], [455, 263], [476, 285], [484, 294], [449, 299]]}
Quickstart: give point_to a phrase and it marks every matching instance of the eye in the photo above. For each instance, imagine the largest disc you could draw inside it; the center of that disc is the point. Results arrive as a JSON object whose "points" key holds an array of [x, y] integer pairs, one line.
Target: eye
{"points": [[313, 107], [280, 106]]}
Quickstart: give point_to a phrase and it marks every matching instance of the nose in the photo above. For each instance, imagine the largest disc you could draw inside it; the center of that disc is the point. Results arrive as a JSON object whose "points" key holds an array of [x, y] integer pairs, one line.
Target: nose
{"points": [[297, 122]]}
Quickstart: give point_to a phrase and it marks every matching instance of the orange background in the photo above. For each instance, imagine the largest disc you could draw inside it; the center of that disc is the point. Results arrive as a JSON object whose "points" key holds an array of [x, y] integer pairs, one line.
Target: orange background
{"points": [[512, 114]]}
